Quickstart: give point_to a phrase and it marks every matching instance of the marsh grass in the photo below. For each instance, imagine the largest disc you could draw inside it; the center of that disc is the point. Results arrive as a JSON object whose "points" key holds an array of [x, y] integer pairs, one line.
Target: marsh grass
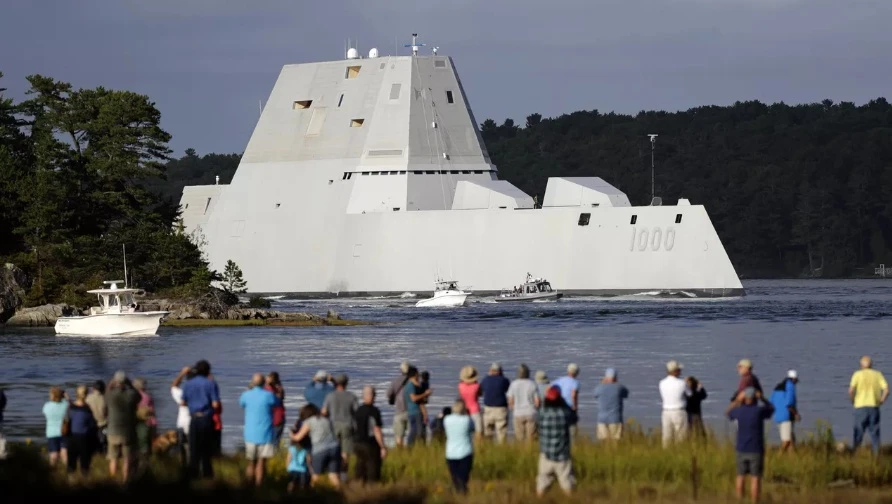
{"points": [[635, 469]]}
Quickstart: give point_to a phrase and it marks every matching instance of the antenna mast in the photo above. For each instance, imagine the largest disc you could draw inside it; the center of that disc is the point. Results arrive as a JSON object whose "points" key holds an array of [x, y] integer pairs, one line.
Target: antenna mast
{"points": [[415, 45], [125, 264], [653, 142]]}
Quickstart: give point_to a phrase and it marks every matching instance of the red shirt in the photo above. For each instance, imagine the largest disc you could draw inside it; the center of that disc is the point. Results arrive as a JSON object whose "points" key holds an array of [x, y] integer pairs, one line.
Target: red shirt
{"points": [[278, 411]]}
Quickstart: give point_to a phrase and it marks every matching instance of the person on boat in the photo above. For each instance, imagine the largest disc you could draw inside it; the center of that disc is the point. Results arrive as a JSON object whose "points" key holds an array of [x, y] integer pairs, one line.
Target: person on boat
{"points": [[495, 403], [274, 385], [96, 402], [56, 412], [469, 391], [82, 433], [783, 398]]}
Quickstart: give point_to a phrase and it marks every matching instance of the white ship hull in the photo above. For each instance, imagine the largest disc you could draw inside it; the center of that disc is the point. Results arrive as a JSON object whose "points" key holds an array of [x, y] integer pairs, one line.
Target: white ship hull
{"points": [[378, 176], [447, 300], [111, 324]]}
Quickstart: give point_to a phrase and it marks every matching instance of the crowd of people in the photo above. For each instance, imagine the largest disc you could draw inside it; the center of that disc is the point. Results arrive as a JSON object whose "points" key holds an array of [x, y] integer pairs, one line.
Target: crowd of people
{"points": [[119, 421]]}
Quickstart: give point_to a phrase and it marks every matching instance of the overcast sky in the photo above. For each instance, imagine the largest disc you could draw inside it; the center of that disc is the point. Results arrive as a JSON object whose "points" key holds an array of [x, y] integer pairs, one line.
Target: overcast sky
{"points": [[206, 63]]}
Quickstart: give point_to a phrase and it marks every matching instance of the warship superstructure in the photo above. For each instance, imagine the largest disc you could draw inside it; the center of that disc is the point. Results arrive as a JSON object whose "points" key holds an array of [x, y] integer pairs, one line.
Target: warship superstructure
{"points": [[370, 176]]}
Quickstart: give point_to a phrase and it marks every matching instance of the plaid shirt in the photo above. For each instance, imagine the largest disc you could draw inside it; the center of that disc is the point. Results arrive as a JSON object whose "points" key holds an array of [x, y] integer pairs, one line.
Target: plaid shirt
{"points": [[554, 433]]}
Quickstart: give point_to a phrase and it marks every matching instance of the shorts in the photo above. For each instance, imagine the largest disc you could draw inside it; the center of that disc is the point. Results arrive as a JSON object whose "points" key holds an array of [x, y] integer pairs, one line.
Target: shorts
{"points": [[327, 461], [786, 431], [750, 463], [120, 446], [300, 479], [551, 469], [612, 431], [400, 426], [477, 418], [262, 451], [56, 444], [344, 434]]}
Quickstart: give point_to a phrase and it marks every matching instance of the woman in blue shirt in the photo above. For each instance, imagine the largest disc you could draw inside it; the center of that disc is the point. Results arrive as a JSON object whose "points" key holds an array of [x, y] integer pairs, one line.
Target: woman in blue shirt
{"points": [[459, 446], [56, 413]]}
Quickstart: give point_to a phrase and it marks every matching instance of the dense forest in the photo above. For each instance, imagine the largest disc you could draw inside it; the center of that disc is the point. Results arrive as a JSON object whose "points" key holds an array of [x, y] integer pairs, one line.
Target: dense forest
{"points": [[75, 165]]}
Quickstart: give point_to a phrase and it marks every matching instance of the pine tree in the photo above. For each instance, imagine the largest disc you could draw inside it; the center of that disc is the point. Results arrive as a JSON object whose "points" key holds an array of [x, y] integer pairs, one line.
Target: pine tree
{"points": [[232, 279]]}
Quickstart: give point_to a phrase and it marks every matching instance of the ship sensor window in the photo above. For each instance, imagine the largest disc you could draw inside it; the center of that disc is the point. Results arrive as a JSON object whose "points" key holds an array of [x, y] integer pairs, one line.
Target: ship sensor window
{"points": [[396, 209], [449, 97], [278, 205], [634, 219], [395, 91], [678, 218], [584, 219], [352, 72], [356, 123], [439, 63], [340, 100], [302, 104]]}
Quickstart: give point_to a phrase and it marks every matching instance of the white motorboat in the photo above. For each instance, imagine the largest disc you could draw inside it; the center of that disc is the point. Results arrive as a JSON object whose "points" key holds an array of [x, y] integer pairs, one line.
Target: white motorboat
{"points": [[533, 289], [116, 315], [446, 294]]}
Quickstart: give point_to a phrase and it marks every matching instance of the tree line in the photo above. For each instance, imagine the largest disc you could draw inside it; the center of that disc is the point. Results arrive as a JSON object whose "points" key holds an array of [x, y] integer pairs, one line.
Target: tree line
{"points": [[76, 171]]}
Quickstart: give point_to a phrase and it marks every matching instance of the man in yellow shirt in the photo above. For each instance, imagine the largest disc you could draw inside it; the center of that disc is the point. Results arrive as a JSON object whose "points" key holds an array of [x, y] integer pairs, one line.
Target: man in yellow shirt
{"points": [[868, 391]]}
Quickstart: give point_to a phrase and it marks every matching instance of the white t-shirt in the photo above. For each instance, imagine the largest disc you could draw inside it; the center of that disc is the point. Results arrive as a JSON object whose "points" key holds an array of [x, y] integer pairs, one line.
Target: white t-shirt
{"points": [[183, 417], [672, 390]]}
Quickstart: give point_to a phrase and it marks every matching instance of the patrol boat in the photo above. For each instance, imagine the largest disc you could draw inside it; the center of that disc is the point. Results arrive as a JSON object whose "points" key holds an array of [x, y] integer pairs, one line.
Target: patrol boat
{"points": [[533, 289], [363, 174]]}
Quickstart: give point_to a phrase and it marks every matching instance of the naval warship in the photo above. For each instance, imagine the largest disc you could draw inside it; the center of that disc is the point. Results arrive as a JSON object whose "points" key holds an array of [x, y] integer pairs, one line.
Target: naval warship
{"points": [[369, 176]]}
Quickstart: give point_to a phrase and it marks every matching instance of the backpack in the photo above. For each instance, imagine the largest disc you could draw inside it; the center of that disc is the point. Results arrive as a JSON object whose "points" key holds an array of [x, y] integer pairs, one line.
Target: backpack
{"points": [[391, 394]]}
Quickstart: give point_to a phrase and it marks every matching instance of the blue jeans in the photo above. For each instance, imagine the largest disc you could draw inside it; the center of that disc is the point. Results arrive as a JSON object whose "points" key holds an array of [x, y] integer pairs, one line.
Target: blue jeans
{"points": [[867, 420], [416, 426]]}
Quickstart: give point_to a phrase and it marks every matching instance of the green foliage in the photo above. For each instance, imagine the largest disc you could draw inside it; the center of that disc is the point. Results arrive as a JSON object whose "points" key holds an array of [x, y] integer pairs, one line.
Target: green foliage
{"points": [[232, 281], [73, 166], [791, 190], [259, 302], [192, 169]]}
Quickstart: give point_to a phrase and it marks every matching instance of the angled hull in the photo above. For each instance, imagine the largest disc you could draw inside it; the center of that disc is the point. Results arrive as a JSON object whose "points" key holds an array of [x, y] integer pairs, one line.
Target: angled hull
{"points": [[450, 300], [126, 324]]}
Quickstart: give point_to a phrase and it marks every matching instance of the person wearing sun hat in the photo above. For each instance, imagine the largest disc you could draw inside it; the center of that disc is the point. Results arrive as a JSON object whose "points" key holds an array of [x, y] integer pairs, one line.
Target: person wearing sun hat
{"points": [[673, 393], [469, 391]]}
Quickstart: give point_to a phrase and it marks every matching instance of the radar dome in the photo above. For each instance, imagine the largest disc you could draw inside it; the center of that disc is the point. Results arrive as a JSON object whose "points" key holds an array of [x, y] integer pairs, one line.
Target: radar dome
{"points": [[373, 52], [352, 53]]}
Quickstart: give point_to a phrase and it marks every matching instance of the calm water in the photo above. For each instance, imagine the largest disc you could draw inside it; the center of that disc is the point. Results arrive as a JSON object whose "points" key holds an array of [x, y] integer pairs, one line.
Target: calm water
{"points": [[818, 327]]}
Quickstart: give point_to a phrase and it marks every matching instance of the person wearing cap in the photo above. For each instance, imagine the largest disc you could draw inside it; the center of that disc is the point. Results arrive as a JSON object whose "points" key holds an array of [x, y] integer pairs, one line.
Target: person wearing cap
{"points": [[495, 403], [202, 396], [469, 391], [569, 387], [317, 390], [868, 391], [413, 398], [554, 444], [259, 433], [673, 393], [542, 383], [339, 407], [750, 446], [783, 398], [610, 395], [747, 378], [397, 398], [523, 400], [122, 401]]}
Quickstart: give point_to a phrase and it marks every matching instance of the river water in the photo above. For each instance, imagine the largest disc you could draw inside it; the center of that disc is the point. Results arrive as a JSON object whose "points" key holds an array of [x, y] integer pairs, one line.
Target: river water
{"points": [[820, 328]]}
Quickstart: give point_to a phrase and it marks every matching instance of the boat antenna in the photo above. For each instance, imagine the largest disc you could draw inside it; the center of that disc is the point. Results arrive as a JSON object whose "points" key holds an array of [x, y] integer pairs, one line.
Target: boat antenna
{"points": [[415, 45], [125, 264], [653, 142]]}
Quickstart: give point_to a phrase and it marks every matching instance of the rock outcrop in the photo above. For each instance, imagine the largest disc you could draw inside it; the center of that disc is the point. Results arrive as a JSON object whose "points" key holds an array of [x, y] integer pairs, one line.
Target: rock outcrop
{"points": [[13, 282], [41, 316]]}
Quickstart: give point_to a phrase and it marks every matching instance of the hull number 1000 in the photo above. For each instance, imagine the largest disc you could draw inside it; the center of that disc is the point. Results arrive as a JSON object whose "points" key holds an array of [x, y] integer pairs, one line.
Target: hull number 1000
{"points": [[652, 238]]}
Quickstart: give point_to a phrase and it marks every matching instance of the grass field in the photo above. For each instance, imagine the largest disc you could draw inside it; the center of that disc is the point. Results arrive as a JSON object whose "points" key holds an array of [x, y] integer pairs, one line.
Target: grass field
{"points": [[637, 469]]}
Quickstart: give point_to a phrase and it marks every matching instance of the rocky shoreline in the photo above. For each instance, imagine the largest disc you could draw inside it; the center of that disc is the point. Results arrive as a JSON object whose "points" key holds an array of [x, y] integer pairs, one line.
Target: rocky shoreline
{"points": [[215, 308]]}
